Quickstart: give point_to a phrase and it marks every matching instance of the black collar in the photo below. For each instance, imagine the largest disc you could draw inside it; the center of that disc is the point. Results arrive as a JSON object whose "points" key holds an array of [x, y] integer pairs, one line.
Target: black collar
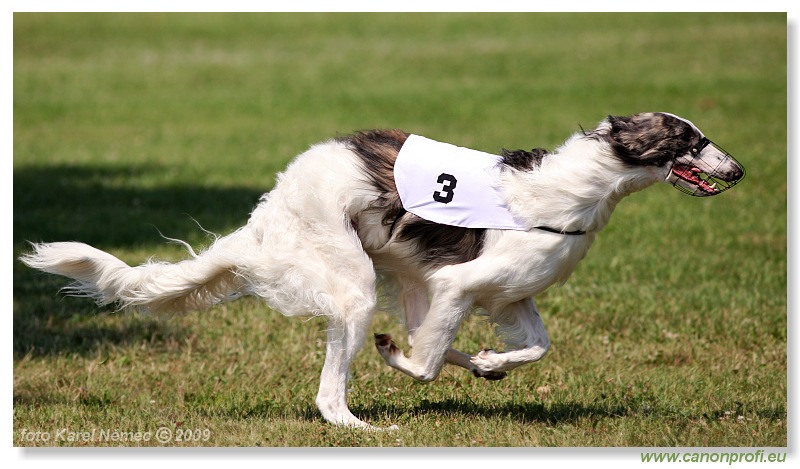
{"points": [[553, 230], [402, 212]]}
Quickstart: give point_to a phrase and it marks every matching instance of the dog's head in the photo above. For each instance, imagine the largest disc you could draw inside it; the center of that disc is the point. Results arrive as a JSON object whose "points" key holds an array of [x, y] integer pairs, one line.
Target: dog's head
{"points": [[682, 155]]}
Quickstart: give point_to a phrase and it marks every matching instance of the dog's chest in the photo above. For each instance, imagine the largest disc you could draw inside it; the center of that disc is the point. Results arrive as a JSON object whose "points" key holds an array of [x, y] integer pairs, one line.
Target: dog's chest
{"points": [[522, 265]]}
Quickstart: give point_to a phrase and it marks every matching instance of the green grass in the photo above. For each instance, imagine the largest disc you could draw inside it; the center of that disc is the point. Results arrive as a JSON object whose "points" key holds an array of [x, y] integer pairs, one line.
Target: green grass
{"points": [[672, 332]]}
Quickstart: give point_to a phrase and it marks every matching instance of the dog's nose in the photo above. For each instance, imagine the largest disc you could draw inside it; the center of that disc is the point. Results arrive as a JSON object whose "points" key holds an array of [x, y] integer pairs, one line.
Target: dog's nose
{"points": [[737, 173]]}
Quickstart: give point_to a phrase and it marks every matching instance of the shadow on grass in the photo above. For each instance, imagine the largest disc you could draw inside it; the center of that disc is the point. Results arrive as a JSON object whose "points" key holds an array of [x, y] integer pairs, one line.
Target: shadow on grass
{"points": [[549, 414], [111, 207], [69, 326], [528, 412], [524, 413], [116, 207]]}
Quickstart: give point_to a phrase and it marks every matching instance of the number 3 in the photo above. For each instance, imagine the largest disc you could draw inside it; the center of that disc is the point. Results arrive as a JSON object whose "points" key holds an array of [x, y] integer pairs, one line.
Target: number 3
{"points": [[448, 182]]}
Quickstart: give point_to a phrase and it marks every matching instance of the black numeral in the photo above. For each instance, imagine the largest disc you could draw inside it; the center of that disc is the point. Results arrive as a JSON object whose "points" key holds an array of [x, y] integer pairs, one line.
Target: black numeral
{"points": [[448, 182]]}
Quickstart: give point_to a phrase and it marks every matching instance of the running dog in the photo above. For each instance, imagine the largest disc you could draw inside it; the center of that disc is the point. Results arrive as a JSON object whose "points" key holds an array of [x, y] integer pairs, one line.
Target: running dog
{"points": [[454, 228]]}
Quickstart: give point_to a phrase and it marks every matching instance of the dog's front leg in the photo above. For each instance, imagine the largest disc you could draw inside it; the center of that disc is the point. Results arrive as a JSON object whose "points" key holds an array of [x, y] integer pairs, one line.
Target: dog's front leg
{"points": [[433, 337], [523, 330], [413, 299], [415, 304], [455, 357]]}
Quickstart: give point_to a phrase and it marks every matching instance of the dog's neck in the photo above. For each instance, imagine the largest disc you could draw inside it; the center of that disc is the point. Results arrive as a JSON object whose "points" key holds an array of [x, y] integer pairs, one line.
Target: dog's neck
{"points": [[575, 188]]}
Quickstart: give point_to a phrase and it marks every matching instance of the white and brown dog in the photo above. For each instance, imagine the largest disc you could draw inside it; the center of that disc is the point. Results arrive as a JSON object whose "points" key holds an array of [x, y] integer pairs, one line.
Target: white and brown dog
{"points": [[340, 215]]}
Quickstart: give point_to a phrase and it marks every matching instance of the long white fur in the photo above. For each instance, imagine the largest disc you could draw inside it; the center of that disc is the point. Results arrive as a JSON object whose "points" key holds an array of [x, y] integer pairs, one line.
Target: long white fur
{"points": [[301, 253]]}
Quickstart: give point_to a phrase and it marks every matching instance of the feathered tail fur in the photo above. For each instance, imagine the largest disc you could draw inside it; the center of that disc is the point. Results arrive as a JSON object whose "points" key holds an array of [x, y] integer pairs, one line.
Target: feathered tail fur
{"points": [[193, 284]]}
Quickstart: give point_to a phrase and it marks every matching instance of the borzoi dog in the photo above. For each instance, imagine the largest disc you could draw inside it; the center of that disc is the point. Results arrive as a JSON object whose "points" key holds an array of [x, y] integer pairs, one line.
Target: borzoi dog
{"points": [[455, 229]]}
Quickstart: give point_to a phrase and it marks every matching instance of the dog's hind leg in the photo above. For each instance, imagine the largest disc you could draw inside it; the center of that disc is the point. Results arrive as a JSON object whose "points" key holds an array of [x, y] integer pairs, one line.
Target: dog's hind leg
{"points": [[523, 331], [352, 288], [323, 271], [344, 340]]}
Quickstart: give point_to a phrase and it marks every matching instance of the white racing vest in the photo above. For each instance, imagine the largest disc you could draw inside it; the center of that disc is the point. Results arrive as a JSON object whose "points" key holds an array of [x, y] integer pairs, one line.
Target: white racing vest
{"points": [[452, 185]]}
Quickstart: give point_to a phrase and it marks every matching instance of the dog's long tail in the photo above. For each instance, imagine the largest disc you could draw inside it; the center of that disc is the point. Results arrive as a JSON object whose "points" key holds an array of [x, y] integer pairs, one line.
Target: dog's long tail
{"points": [[193, 284]]}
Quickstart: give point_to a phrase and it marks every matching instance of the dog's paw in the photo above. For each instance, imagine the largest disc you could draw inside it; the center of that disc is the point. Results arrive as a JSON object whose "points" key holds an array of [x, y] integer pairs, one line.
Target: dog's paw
{"points": [[488, 364], [486, 356], [385, 345], [484, 366]]}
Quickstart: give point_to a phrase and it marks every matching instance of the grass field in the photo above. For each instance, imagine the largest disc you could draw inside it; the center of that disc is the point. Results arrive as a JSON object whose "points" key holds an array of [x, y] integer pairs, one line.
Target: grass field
{"points": [[672, 332]]}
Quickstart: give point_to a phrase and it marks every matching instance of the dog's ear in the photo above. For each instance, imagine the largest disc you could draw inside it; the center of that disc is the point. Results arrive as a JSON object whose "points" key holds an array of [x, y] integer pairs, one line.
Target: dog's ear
{"points": [[617, 121], [642, 139], [623, 139]]}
